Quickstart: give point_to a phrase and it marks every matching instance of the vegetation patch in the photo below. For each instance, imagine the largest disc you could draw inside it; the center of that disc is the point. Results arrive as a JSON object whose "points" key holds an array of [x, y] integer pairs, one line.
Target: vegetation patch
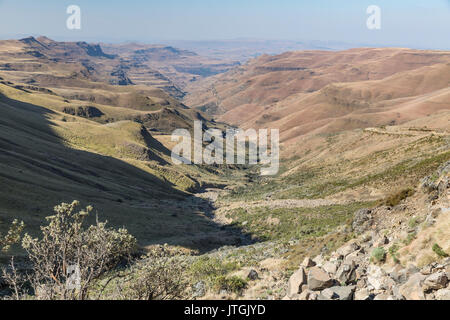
{"points": [[439, 251], [378, 255], [294, 223], [398, 197]]}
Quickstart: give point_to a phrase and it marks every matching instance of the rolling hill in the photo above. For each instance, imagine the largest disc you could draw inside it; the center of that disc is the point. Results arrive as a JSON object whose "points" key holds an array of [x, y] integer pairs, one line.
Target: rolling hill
{"points": [[322, 92]]}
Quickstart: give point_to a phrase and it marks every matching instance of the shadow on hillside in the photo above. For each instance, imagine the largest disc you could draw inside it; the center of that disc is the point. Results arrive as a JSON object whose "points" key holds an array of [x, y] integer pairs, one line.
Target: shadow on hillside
{"points": [[38, 171]]}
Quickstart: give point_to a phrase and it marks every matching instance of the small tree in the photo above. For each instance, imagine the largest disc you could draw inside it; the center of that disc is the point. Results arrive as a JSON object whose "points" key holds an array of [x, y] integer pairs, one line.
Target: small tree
{"points": [[69, 258]]}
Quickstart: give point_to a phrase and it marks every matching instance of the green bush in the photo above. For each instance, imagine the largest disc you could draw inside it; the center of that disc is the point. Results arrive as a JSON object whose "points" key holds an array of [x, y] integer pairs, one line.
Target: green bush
{"points": [[379, 254], [207, 267], [398, 197], [439, 251], [231, 284], [393, 252]]}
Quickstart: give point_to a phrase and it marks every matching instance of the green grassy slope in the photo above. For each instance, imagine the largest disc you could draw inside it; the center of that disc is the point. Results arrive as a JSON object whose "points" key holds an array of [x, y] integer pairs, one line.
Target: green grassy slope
{"points": [[118, 168]]}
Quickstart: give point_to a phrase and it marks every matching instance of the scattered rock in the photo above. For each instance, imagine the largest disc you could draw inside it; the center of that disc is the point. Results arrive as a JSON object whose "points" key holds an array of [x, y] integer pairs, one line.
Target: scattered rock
{"points": [[362, 220], [331, 267], [199, 289], [375, 277], [412, 289], [318, 279], [252, 275], [435, 281], [363, 294], [347, 249], [383, 240], [337, 293], [383, 296], [346, 273], [307, 263], [319, 260], [305, 295], [296, 281], [442, 294]]}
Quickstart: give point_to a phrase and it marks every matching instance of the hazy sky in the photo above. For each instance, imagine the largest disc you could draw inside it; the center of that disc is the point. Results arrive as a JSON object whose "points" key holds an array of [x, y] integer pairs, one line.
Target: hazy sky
{"points": [[413, 23]]}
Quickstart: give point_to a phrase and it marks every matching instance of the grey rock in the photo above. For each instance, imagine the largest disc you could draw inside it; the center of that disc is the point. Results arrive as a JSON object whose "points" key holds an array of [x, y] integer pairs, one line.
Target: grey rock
{"points": [[199, 289], [346, 273], [305, 295], [307, 263], [442, 294], [337, 293], [363, 294], [252, 275], [375, 277], [435, 281], [331, 267], [296, 281], [381, 241], [361, 220], [412, 289], [318, 279], [347, 249]]}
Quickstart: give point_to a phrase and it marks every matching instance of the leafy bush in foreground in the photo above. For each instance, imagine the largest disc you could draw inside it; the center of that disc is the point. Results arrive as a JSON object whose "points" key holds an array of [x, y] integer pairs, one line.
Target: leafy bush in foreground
{"points": [[69, 252]]}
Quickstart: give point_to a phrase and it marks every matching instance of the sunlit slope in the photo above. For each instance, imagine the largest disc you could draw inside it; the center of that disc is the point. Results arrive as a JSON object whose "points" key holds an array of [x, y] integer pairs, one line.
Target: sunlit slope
{"points": [[48, 157]]}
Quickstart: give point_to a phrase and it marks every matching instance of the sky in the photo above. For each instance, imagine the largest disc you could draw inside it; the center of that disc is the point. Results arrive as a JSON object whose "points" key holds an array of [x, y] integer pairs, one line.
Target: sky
{"points": [[406, 23]]}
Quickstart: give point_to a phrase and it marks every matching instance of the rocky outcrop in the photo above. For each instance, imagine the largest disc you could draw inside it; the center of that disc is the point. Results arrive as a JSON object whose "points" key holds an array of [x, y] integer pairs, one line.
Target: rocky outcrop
{"points": [[85, 112], [362, 280]]}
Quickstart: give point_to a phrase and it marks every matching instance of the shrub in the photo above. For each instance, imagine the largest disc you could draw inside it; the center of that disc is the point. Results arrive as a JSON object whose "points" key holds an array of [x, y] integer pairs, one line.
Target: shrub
{"points": [[13, 235], [157, 276], [439, 251], [67, 248], [413, 222], [210, 268], [411, 236], [398, 197], [231, 284], [393, 252], [379, 254]]}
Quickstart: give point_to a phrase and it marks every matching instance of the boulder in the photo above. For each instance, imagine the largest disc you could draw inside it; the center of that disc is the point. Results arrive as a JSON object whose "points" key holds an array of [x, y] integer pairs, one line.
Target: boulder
{"points": [[357, 256], [199, 289], [296, 281], [337, 293], [375, 277], [305, 295], [412, 289], [361, 220], [313, 296], [318, 279], [381, 241], [399, 276], [307, 263], [252, 275], [347, 249], [331, 267], [435, 281], [319, 260], [383, 296], [363, 294], [346, 273], [442, 294]]}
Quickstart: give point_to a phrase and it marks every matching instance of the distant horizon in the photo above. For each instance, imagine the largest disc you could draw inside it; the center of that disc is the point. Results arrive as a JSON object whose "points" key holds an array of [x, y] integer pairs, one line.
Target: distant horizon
{"points": [[416, 24], [348, 45]]}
